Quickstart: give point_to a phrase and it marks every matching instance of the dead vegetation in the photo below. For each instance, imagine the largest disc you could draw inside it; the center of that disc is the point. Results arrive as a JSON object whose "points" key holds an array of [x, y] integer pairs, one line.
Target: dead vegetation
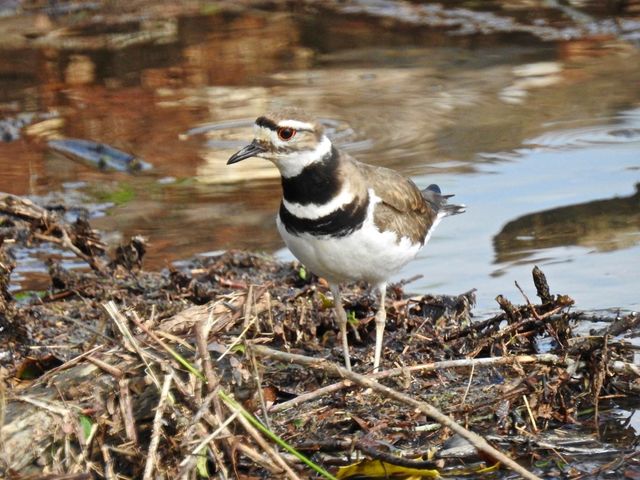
{"points": [[115, 372]]}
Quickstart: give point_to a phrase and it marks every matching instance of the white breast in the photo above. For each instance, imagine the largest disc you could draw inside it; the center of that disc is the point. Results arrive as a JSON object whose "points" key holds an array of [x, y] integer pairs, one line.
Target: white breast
{"points": [[366, 254]]}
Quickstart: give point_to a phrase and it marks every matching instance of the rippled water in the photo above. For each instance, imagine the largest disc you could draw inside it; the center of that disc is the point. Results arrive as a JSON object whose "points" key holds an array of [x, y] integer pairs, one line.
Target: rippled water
{"points": [[540, 139]]}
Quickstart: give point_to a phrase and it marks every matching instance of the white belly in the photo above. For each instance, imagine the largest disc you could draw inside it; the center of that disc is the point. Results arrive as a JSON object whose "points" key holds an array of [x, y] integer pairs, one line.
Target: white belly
{"points": [[366, 254]]}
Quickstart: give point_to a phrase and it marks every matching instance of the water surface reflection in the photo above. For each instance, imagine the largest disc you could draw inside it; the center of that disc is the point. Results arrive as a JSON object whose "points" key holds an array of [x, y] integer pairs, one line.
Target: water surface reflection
{"points": [[540, 139]]}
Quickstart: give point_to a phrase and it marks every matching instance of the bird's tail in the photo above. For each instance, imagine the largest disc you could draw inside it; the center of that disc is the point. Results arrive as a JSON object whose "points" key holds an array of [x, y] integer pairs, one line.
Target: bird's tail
{"points": [[433, 195]]}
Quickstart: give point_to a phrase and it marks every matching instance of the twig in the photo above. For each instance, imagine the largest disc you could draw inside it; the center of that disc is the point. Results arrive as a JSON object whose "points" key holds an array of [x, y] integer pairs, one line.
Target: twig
{"points": [[373, 452], [109, 473], [126, 408], [66, 242], [237, 339], [130, 342], [531, 417], [466, 392], [261, 460], [426, 367], [211, 436], [202, 329], [70, 363], [157, 427], [616, 366], [213, 420], [45, 405], [110, 369], [309, 396], [598, 381], [529, 304], [258, 378], [275, 456], [514, 327], [179, 358], [333, 369], [203, 411]]}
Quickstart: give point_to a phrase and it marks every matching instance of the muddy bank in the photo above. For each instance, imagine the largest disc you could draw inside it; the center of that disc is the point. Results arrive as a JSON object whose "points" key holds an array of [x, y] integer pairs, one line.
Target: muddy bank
{"points": [[113, 365]]}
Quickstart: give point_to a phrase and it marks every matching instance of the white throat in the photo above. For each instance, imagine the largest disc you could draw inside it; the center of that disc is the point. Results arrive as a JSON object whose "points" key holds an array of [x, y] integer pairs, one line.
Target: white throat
{"points": [[292, 164]]}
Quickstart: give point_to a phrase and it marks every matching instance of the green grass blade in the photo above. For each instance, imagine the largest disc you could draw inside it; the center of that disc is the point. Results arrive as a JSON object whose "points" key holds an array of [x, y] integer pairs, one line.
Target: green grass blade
{"points": [[231, 403]]}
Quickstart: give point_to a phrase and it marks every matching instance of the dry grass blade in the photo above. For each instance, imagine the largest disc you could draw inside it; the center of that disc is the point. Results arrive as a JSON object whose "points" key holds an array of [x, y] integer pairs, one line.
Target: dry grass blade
{"points": [[121, 322], [248, 422], [157, 428], [211, 437]]}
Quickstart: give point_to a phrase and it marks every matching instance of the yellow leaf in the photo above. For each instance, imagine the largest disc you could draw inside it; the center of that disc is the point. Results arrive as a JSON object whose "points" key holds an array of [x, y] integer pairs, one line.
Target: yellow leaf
{"points": [[380, 469]]}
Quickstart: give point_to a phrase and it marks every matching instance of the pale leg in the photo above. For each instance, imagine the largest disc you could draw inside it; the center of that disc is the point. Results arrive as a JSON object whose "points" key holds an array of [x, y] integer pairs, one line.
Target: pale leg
{"points": [[342, 322], [381, 318]]}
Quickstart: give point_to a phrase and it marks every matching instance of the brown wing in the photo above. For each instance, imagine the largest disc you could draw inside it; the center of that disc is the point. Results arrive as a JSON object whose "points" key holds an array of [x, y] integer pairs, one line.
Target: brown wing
{"points": [[403, 208]]}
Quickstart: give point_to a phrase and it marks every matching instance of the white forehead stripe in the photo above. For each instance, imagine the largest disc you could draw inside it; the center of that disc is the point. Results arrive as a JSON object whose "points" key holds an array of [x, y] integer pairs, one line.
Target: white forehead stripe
{"points": [[313, 211], [296, 125], [263, 133]]}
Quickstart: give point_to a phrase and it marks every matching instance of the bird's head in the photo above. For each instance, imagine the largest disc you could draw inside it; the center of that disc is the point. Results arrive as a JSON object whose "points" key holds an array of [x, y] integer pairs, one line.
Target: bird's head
{"points": [[290, 139]]}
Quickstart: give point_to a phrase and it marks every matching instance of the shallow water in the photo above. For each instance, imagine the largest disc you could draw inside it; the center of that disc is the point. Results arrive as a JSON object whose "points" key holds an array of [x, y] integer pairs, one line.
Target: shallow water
{"points": [[540, 139]]}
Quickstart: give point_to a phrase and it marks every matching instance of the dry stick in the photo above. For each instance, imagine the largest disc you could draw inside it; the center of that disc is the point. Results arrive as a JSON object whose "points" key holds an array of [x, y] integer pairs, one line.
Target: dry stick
{"points": [[255, 434], [130, 342], [165, 347], [529, 304], [509, 330], [202, 329], [309, 396], [67, 364], [274, 454], [202, 333], [598, 382], [157, 422], [333, 369], [202, 411], [617, 366], [110, 369], [426, 367], [66, 242], [258, 378], [126, 407], [190, 460], [109, 473], [466, 392], [211, 436], [534, 425], [261, 460]]}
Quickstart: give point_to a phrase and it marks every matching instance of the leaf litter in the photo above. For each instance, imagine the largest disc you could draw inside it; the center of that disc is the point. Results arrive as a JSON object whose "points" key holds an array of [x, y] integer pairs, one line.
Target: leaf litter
{"points": [[229, 367]]}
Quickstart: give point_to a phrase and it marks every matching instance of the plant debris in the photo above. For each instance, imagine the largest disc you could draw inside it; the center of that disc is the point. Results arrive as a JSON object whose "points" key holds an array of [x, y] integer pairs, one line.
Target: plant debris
{"points": [[229, 367]]}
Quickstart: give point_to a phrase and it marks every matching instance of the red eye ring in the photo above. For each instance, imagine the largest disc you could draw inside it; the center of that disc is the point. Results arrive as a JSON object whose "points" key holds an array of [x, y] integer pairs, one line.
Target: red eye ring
{"points": [[286, 133]]}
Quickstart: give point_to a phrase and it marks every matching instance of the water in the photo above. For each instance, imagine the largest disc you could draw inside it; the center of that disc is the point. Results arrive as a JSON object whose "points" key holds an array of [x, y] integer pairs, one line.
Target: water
{"points": [[540, 139]]}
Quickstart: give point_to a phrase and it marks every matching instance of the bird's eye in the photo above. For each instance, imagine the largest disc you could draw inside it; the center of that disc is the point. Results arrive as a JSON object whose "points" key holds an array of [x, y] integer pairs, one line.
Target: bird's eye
{"points": [[285, 133]]}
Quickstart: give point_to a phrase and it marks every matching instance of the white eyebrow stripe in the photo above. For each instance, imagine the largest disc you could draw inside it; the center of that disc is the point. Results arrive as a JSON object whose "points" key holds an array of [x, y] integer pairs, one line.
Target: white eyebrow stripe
{"points": [[295, 124]]}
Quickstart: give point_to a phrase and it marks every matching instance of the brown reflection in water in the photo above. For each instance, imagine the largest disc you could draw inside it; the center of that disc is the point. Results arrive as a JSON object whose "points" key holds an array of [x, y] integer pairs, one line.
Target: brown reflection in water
{"points": [[604, 225], [138, 85], [183, 221]]}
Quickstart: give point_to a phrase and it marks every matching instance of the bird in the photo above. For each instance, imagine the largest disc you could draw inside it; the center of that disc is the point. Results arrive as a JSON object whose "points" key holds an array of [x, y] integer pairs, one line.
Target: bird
{"points": [[344, 220]]}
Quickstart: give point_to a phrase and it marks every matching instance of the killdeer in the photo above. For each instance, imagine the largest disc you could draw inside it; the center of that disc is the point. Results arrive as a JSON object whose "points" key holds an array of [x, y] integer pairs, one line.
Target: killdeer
{"points": [[343, 219]]}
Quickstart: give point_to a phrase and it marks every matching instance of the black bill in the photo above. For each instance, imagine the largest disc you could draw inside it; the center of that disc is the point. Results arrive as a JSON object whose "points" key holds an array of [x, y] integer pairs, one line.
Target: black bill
{"points": [[250, 150]]}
